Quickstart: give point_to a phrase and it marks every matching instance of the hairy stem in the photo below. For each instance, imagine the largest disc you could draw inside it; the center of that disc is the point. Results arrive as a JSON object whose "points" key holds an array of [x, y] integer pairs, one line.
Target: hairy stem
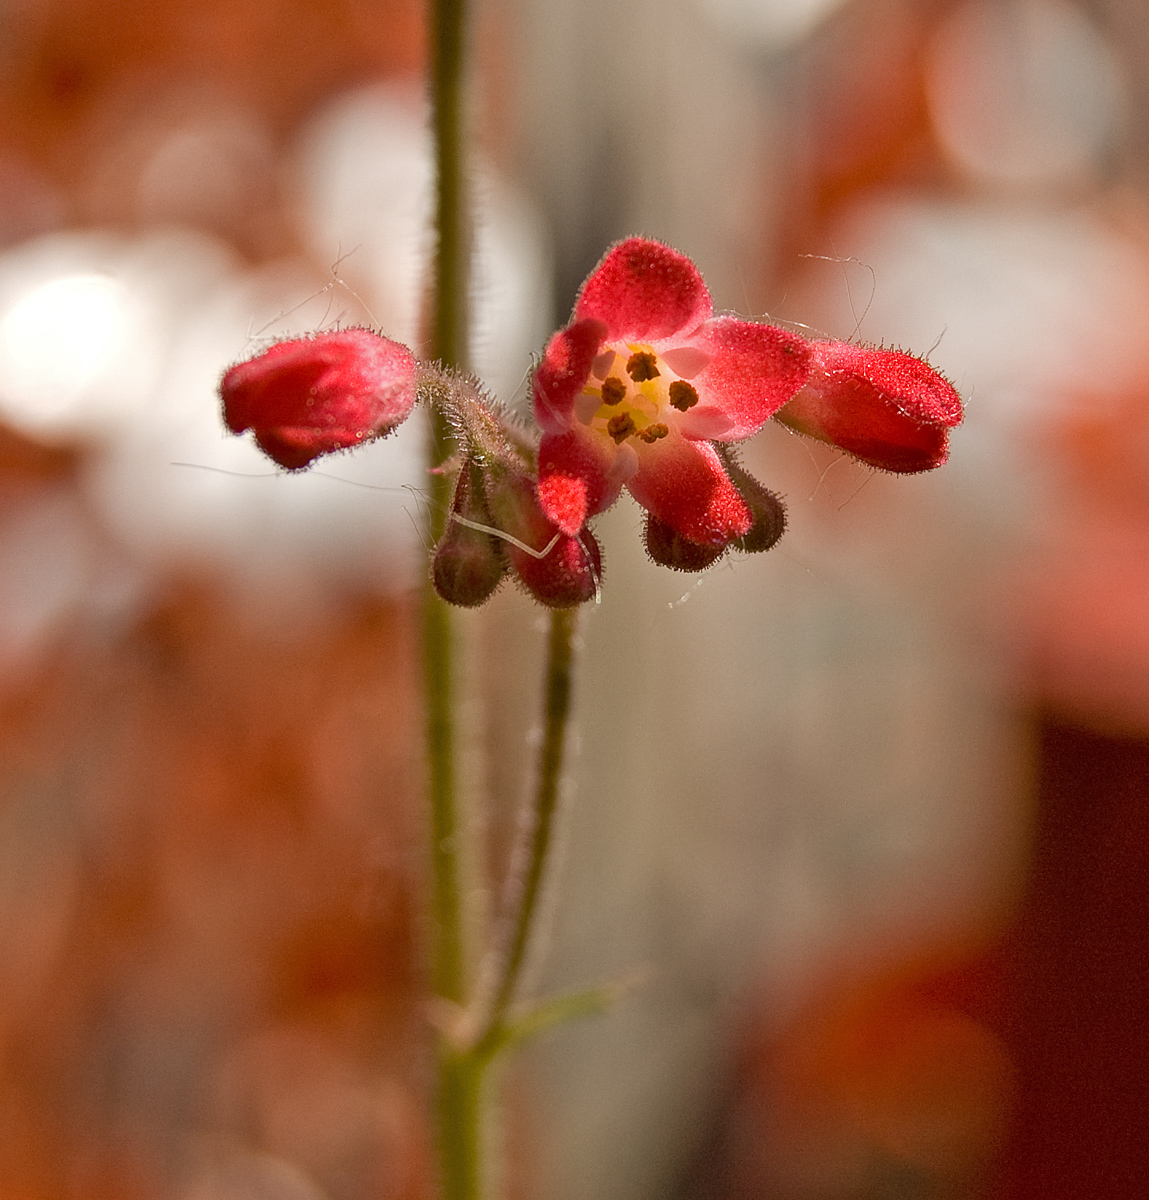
{"points": [[459, 1083], [452, 219], [556, 718], [463, 1060]]}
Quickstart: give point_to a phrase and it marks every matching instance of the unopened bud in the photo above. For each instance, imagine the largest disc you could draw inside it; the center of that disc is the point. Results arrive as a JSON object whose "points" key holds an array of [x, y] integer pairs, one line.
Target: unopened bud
{"points": [[569, 574], [310, 396], [468, 565], [558, 570], [886, 408]]}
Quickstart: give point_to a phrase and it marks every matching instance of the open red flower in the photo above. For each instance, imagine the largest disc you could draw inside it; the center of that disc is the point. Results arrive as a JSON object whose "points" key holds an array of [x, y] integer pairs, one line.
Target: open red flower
{"points": [[641, 382], [314, 395], [885, 407]]}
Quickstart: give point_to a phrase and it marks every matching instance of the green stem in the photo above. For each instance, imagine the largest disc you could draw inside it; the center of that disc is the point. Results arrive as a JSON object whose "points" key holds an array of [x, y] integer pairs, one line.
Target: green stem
{"points": [[450, 958], [546, 1015], [557, 701], [461, 1119], [458, 1096], [462, 1064], [452, 224]]}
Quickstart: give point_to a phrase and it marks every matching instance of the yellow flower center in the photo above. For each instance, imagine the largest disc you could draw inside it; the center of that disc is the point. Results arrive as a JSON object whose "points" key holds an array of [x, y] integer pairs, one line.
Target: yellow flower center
{"points": [[632, 393]]}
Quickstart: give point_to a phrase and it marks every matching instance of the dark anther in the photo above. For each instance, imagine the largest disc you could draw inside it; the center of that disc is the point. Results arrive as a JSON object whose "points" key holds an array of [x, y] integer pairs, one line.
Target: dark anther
{"points": [[642, 365], [682, 395], [620, 426], [613, 390], [652, 433]]}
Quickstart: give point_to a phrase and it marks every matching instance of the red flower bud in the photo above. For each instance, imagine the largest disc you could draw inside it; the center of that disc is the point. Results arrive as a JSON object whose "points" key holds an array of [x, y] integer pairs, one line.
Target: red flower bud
{"points": [[887, 408], [568, 575], [560, 571], [310, 396]]}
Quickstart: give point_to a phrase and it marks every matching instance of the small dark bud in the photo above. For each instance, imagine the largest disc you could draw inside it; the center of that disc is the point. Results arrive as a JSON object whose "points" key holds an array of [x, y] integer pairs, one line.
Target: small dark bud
{"points": [[667, 547]]}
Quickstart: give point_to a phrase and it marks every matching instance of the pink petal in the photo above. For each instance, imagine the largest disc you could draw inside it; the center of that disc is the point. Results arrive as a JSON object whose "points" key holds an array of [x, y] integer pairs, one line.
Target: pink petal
{"points": [[685, 361], [753, 370], [577, 477], [644, 291], [562, 374], [886, 408], [685, 485]]}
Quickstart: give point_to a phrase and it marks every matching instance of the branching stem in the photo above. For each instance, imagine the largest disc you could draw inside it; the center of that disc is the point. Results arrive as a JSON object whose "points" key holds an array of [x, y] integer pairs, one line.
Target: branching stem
{"points": [[463, 1062]]}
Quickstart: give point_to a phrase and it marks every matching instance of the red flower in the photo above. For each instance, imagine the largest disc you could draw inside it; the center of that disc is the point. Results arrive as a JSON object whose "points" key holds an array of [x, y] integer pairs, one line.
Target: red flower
{"points": [[634, 391], [887, 408], [313, 395]]}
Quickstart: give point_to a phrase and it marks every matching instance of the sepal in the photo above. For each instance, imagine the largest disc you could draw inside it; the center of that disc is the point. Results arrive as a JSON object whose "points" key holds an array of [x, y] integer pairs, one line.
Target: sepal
{"points": [[768, 513], [667, 547]]}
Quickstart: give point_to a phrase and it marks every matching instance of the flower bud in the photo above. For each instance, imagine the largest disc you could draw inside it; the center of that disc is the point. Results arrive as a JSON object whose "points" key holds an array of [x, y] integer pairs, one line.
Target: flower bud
{"points": [[314, 395], [467, 565], [667, 547], [558, 570], [568, 575], [886, 408]]}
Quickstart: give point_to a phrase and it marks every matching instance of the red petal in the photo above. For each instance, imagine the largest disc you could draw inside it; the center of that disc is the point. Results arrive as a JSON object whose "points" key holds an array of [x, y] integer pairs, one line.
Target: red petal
{"points": [[309, 396], [753, 370], [575, 477], [684, 484], [887, 408], [564, 370], [645, 291]]}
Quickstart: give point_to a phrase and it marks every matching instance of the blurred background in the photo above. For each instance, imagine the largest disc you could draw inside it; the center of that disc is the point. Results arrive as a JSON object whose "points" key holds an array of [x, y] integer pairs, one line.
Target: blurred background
{"points": [[865, 818]]}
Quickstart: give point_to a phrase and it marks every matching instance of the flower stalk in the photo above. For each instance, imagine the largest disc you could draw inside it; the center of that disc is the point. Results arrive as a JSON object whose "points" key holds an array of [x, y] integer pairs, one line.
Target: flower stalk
{"points": [[459, 1083], [466, 1056], [539, 836]]}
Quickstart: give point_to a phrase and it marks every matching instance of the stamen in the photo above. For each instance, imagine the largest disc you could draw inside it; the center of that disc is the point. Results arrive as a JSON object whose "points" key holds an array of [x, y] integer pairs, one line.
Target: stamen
{"points": [[682, 395], [613, 390], [642, 365], [652, 433], [621, 426]]}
